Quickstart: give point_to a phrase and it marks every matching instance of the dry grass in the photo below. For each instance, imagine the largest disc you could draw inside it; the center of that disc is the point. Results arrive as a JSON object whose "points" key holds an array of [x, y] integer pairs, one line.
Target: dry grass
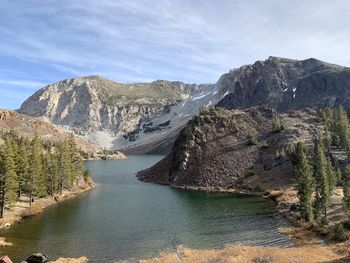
{"points": [[4, 243], [247, 254], [71, 260]]}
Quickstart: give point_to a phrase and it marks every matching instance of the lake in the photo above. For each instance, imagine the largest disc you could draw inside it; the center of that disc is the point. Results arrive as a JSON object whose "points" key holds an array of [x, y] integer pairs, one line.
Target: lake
{"points": [[123, 218]]}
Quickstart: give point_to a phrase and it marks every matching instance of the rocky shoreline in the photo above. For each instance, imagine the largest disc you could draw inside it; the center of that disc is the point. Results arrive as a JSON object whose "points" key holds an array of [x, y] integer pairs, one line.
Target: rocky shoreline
{"points": [[117, 155]]}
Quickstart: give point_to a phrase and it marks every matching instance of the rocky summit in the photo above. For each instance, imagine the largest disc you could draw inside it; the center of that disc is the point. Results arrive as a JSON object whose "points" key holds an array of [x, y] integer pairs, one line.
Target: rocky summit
{"points": [[285, 84], [148, 117]]}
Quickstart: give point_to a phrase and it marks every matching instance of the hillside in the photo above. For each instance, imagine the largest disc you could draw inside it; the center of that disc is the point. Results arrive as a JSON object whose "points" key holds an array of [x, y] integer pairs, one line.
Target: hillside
{"points": [[220, 148], [25, 126]]}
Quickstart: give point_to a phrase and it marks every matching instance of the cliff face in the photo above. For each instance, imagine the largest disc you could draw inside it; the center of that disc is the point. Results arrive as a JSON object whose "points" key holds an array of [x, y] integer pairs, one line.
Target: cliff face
{"points": [[116, 115], [221, 148], [285, 84]]}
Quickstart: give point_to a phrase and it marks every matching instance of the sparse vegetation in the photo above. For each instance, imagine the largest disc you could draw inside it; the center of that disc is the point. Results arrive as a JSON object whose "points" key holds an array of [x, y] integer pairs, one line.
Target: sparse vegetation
{"points": [[252, 140], [339, 233], [277, 123]]}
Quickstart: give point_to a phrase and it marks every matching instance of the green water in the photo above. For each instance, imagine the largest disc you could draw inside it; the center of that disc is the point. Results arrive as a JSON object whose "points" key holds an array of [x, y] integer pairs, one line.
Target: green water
{"points": [[124, 218]]}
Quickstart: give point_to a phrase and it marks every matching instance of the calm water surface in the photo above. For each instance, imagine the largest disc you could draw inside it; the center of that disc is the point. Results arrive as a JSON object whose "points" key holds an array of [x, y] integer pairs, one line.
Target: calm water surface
{"points": [[124, 218]]}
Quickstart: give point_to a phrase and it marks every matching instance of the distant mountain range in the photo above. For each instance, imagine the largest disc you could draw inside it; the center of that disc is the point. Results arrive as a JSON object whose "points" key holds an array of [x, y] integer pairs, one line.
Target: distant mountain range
{"points": [[147, 117]]}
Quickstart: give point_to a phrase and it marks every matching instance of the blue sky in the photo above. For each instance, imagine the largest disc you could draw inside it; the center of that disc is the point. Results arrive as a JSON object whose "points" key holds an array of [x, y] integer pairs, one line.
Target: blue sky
{"points": [[44, 41]]}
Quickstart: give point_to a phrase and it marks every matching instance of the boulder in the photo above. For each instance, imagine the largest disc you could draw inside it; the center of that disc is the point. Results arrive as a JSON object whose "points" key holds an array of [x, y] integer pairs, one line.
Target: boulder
{"points": [[5, 259], [37, 258]]}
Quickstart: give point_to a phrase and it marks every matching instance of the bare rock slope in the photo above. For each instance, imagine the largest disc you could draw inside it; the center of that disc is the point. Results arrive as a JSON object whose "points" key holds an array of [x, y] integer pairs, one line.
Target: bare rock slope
{"points": [[220, 149], [116, 115]]}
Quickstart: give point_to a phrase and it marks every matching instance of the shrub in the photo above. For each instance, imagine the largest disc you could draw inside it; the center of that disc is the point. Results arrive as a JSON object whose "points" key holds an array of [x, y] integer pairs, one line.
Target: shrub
{"points": [[277, 124], [339, 233], [252, 140]]}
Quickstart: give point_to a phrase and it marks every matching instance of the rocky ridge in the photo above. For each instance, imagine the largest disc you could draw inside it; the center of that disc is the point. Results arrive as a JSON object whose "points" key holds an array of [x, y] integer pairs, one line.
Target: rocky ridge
{"points": [[147, 117], [220, 149], [285, 84]]}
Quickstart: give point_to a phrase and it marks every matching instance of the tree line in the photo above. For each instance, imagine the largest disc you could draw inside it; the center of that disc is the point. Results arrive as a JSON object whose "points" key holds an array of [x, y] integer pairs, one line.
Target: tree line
{"points": [[37, 169], [317, 176]]}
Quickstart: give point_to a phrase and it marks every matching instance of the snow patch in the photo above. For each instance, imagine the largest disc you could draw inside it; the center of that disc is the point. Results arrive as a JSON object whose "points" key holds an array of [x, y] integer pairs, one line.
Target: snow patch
{"points": [[200, 96], [285, 90], [258, 80]]}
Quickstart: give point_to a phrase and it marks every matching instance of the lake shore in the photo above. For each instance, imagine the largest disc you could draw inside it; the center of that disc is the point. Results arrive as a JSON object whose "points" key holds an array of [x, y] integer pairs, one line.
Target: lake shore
{"points": [[22, 210]]}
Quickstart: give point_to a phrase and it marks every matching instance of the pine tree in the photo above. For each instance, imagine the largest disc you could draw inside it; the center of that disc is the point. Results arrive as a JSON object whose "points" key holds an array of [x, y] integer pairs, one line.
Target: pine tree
{"points": [[65, 173], [322, 191], [11, 178], [343, 128], [305, 182], [75, 159], [331, 174], [2, 180], [22, 164], [327, 139], [37, 184], [51, 161], [346, 189]]}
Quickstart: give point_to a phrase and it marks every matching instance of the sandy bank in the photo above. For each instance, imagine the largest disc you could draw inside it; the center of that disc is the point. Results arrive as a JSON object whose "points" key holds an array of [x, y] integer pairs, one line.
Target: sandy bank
{"points": [[23, 210]]}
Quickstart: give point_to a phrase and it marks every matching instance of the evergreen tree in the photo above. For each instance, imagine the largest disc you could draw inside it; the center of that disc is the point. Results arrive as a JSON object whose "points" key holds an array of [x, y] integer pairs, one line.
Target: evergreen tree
{"points": [[322, 191], [22, 164], [11, 178], [327, 139], [331, 174], [75, 159], [305, 182], [37, 184], [346, 189], [343, 128], [2, 180]]}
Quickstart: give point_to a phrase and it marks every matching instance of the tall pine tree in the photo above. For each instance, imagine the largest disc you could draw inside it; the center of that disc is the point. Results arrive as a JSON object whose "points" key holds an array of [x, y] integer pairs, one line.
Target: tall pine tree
{"points": [[322, 190], [11, 178], [304, 182]]}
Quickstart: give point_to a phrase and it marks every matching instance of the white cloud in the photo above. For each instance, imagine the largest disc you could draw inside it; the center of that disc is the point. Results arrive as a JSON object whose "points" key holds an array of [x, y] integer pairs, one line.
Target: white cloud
{"points": [[193, 41], [27, 84]]}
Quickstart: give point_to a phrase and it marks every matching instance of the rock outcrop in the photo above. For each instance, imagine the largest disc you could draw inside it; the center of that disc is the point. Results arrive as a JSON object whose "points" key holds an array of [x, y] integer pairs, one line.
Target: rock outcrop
{"points": [[220, 148]]}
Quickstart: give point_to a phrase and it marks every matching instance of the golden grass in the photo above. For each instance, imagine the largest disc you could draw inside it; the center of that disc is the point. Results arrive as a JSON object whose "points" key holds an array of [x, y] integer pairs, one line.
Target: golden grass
{"points": [[71, 260], [249, 254]]}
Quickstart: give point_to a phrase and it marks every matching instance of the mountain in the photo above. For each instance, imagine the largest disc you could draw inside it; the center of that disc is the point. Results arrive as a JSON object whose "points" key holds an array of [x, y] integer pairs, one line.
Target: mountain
{"points": [[234, 149], [26, 126], [141, 116], [285, 84], [148, 117]]}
